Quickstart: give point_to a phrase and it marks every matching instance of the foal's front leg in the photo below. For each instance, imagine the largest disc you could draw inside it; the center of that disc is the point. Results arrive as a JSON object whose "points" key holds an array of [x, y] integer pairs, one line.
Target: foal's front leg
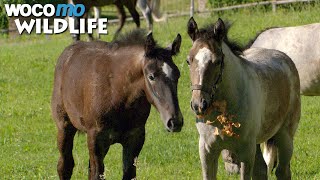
{"points": [[247, 157], [98, 147], [209, 159], [132, 146], [65, 138]]}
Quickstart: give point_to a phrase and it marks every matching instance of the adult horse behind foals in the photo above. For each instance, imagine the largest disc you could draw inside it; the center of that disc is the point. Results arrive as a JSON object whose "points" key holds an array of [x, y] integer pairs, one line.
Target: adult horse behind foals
{"points": [[120, 4], [242, 99], [149, 8], [106, 90], [302, 45]]}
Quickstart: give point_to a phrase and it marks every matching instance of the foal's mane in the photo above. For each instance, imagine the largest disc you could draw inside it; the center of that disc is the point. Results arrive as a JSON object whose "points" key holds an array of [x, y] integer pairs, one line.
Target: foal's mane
{"points": [[208, 31], [250, 43], [137, 37]]}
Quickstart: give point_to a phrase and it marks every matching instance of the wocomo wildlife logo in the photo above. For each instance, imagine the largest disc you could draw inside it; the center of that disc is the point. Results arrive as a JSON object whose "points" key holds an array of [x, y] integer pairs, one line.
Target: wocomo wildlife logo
{"points": [[60, 25]]}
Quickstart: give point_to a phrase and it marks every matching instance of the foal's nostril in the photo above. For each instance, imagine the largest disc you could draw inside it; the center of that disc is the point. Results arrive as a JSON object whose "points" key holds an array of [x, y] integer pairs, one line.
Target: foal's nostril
{"points": [[204, 105], [195, 107], [174, 125], [170, 124]]}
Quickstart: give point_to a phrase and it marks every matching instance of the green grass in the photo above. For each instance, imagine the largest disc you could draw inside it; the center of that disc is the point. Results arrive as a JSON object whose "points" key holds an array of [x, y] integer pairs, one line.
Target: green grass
{"points": [[28, 134]]}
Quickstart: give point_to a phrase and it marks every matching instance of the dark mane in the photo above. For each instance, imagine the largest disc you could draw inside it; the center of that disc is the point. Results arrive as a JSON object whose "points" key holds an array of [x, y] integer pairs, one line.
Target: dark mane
{"points": [[138, 37], [249, 44], [135, 37], [208, 31]]}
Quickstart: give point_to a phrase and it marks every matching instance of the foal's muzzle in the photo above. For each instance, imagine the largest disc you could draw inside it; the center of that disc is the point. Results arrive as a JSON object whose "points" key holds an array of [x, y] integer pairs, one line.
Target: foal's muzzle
{"points": [[199, 108]]}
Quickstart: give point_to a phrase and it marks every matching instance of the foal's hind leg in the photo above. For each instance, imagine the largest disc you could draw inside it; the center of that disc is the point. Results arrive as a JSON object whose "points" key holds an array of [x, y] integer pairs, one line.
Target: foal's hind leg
{"points": [[66, 133], [284, 143], [270, 154], [132, 146]]}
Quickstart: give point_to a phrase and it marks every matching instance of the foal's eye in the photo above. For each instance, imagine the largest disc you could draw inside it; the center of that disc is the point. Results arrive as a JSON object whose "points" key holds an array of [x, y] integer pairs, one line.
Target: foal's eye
{"points": [[151, 77], [188, 61]]}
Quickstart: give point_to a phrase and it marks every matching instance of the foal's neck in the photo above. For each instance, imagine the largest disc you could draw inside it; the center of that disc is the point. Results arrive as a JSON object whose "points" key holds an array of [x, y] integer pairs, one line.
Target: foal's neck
{"points": [[133, 75], [232, 73], [232, 64]]}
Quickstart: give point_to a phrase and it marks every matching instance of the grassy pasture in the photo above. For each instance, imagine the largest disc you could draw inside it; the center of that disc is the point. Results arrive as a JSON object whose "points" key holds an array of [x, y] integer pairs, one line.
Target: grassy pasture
{"points": [[28, 134]]}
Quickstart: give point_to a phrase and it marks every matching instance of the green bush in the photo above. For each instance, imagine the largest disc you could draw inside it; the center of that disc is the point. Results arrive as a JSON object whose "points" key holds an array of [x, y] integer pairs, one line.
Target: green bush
{"points": [[3, 17]]}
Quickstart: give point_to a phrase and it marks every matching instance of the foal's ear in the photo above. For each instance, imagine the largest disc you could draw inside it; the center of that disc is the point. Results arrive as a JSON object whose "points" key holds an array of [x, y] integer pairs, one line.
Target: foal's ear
{"points": [[219, 30], [150, 43], [175, 47], [193, 29]]}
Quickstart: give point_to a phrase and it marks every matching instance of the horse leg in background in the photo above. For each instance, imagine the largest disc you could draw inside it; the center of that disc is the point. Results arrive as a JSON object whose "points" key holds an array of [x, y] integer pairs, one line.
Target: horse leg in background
{"points": [[121, 16], [97, 14], [155, 7], [66, 132], [98, 147], [270, 154], [131, 5], [75, 37], [209, 156], [284, 144], [231, 163], [86, 16], [147, 12], [132, 146], [260, 166]]}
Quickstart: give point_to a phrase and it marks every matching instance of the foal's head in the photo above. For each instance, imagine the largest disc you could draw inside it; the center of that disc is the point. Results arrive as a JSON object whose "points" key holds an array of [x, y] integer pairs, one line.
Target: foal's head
{"points": [[206, 63], [161, 79]]}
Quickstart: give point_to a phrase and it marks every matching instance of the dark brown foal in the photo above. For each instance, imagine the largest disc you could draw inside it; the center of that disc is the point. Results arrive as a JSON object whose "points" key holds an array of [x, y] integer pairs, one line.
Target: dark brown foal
{"points": [[106, 90]]}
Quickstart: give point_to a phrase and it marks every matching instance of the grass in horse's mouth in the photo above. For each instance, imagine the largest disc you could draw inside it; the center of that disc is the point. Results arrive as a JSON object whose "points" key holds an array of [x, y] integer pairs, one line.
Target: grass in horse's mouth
{"points": [[226, 120]]}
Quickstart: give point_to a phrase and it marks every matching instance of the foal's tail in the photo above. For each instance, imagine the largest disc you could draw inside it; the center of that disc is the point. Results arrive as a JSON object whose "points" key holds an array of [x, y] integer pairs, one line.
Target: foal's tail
{"points": [[270, 154]]}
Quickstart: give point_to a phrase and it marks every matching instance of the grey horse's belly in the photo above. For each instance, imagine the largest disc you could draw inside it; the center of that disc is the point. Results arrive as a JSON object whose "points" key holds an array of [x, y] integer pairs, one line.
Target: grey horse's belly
{"points": [[309, 77]]}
